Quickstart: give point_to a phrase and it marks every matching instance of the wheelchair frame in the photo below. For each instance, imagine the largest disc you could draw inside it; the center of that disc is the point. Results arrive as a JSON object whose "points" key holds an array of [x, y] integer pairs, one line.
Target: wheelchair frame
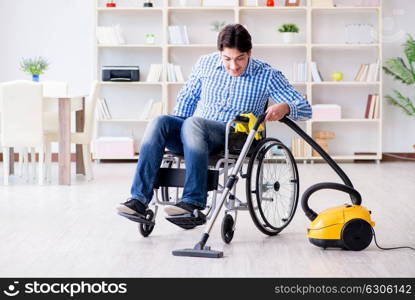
{"points": [[222, 166]]}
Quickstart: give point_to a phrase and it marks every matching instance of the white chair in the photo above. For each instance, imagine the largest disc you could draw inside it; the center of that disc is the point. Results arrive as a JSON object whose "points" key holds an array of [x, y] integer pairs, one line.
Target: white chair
{"points": [[22, 120], [50, 107], [83, 138]]}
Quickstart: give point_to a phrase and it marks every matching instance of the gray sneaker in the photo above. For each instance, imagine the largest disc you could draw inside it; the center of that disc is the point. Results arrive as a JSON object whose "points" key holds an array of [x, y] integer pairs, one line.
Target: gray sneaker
{"points": [[132, 207], [181, 208]]}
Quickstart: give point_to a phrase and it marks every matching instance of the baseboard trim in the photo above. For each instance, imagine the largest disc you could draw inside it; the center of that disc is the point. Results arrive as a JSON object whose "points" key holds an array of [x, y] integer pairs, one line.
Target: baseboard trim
{"points": [[386, 157]]}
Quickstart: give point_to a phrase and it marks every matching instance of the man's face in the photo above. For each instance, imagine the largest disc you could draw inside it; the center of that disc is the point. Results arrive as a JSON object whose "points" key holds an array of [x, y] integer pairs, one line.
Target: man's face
{"points": [[235, 62]]}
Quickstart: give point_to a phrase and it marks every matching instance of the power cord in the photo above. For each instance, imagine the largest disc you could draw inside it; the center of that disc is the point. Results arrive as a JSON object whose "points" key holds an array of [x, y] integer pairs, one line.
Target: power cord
{"points": [[391, 248]]}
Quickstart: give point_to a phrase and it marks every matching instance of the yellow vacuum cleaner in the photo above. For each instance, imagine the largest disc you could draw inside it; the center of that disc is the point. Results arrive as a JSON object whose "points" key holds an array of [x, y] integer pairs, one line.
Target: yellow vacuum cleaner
{"points": [[347, 226]]}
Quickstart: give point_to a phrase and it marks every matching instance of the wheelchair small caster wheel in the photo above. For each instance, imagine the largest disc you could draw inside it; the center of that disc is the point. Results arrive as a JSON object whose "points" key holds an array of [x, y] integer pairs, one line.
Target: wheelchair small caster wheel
{"points": [[227, 228], [145, 229]]}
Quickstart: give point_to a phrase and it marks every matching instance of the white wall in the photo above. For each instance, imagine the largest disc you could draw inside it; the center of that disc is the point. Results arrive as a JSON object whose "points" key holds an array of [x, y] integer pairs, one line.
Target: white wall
{"points": [[62, 31], [399, 129], [59, 30]]}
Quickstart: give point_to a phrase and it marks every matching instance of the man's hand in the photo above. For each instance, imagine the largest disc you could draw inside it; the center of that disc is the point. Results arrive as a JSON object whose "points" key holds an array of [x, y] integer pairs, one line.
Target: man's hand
{"points": [[277, 112]]}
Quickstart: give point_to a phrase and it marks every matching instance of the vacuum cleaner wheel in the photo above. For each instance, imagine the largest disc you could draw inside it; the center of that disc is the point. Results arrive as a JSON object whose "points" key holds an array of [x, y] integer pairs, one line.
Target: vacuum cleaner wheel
{"points": [[357, 234]]}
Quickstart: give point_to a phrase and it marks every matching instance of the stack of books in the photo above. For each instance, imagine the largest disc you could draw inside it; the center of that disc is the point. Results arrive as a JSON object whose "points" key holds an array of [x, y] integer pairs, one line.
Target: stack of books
{"points": [[103, 113], [315, 73], [300, 71], [151, 109], [368, 72], [174, 73], [154, 74], [299, 147], [110, 35], [372, 106], [178, 35]]}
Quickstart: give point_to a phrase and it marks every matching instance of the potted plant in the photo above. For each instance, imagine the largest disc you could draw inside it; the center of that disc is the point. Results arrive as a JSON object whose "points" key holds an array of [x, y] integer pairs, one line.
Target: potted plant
{"points": [[217, 26], [289, 32], [34, 66], [405, 73]]}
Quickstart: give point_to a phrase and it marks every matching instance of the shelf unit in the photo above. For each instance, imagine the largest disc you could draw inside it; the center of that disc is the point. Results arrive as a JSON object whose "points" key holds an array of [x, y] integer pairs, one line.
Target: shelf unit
{"points": [[313, 44]]}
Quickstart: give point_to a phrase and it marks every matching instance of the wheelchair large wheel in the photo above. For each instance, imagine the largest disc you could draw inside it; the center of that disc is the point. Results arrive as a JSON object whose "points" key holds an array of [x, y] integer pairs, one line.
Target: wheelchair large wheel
{"points": [[272, 186]]}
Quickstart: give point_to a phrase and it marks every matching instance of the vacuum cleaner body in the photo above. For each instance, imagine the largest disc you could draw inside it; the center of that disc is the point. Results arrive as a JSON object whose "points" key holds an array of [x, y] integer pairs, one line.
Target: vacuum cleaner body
{"points": [[346, 226]]}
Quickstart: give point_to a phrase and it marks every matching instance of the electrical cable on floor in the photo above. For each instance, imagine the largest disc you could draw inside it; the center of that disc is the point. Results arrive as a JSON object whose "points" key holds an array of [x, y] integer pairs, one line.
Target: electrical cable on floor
{"points": [[391, 248], [400, 157]]}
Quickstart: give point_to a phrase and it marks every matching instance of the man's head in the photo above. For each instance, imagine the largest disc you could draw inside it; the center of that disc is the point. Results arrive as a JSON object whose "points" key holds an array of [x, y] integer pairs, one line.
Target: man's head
{"points": [[235, 44]]}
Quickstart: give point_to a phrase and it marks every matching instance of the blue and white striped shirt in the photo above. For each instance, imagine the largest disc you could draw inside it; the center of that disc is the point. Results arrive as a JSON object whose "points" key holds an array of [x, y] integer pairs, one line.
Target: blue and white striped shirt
{"points": [[213, 94]]}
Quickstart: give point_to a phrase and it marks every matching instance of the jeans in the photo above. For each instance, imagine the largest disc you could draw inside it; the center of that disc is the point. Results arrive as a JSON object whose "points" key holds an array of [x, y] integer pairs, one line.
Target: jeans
{"points": [[194, 137]]}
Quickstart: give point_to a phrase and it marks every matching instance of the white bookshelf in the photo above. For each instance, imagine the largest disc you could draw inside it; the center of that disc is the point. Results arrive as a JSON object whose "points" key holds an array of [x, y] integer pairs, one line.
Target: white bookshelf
{"points": [[316, 42]]}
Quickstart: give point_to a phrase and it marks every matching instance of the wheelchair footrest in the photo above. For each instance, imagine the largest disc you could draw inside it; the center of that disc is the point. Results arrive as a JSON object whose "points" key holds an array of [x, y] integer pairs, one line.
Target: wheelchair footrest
{"points": [[136, 218], [188, 220]]}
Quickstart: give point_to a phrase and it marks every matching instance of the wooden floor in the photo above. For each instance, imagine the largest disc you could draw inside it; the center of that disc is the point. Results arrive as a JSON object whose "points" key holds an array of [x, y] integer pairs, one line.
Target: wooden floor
{"points": [[74, 231]]}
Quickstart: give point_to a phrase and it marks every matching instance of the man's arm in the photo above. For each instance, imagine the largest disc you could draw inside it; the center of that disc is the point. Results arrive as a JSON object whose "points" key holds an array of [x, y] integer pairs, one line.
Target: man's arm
{"points": [[288, 100], [189, 95]]}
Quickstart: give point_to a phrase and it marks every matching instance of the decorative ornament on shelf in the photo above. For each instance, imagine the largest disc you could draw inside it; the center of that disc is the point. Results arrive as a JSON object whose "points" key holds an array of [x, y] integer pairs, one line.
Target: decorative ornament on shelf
{"points": [[111, 3], [34, 66], [270, 3], [148, 3], [217, 26], [292, 2], [337, 76], [289, 32], [150, 37]]}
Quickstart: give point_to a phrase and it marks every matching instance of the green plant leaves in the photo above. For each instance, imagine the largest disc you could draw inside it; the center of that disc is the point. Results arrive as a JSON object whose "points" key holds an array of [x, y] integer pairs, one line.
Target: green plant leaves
{"points": [[410, 50], [404, 102], [397, 68], [34, 66], [289, 28]]}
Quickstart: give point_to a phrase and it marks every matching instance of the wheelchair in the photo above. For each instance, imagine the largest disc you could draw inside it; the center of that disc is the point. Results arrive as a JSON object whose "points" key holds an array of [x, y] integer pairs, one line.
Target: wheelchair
{"points": [[271, 185]]}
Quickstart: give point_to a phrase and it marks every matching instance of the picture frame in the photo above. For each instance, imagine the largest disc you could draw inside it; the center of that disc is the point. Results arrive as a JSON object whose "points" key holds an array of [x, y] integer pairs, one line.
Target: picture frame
{"points": [[292, 2]]}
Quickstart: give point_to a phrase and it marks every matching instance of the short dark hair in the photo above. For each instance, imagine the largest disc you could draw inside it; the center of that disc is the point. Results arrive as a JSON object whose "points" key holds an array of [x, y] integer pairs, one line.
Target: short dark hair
{"points": [[235, 36]]}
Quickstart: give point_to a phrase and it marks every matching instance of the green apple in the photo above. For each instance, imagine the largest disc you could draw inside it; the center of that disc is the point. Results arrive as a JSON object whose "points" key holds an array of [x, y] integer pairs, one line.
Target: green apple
{"points": [[337, 76]]}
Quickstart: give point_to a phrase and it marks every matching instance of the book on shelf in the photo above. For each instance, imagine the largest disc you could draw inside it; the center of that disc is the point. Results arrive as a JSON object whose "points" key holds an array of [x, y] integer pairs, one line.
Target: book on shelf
{"points": [[315, 73], [179, 74], [110, 35], [154, 74], [178, 35], [151, 110], [368, 72], [174, 73], [156, 110], [300, 148], [146, 110], [299, 71], [103, 112], [372, 107]]}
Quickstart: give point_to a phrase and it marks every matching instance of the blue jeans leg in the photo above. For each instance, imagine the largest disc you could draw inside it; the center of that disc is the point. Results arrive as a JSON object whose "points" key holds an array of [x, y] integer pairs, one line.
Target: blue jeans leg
{"points": [[162, 132], [200, 137]]}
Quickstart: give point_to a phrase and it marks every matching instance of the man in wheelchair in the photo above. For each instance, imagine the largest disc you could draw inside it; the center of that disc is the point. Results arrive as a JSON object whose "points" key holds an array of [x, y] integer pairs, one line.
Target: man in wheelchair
{"points": [[222, 85]]}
